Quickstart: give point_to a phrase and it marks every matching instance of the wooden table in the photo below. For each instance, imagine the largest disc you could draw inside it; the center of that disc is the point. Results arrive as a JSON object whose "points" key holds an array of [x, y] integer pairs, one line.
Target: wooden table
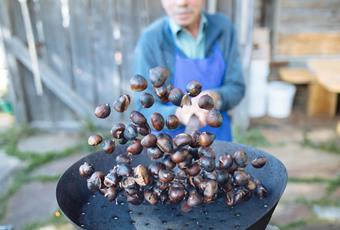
{"points": [[323, 92]]}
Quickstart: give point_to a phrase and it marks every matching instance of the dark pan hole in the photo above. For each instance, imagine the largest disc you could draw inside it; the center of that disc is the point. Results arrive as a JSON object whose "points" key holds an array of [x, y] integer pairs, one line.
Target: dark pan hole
{"points": [[146, 224]]}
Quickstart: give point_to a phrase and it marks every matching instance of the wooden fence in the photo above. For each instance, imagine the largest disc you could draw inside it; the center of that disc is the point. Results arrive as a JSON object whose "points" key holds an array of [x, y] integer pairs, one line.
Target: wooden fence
{"points": [[85, 53]]}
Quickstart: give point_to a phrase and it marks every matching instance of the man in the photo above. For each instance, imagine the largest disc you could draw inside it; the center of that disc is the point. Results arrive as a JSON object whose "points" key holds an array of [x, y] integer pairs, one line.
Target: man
{"points": [[194, 45]]}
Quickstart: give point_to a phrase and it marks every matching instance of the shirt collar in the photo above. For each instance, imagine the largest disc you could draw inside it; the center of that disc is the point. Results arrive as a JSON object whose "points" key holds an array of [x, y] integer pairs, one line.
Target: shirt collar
{"points": [[176, 29]]}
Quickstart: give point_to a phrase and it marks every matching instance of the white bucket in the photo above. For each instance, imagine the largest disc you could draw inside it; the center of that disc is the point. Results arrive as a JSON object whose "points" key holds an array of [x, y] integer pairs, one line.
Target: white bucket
{"points": [[257, 89], [280, 99]]}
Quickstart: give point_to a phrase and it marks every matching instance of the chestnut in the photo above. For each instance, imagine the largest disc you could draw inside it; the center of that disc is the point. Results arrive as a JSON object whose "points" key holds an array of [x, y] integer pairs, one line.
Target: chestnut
{"points": [[158, 75], [182, 139], [138, 83], [166, 175], [94, 140], [163, 93], [261, 191], [206, 102], [229, 198], [206, 139], [210, 190], [251, 185], [222, 176], [259, 162], [110, 193], [117, 131], [210, 175], [194, 88], [241, 178], [240, 195], [157, 121], [176, 194], [123, 170], [194, 198], [146, 99], [195, 135], [149, 140], [154, 153], [164, 143], [111, 179], [144, 129], [86, 170], [137, 118], [207, 151], [225, 161], [179, 155], [175, 96], [185, 207], [241, 158], [135, 147], [214, 118], [207, 163], [108, 146], [142, 175], [102, 111], [130, 132], [169, 164], [150, 197], [172, 122], [123, 159], [122, 103], [135, 199], [154, 168], [95, 182], [193, 170]]}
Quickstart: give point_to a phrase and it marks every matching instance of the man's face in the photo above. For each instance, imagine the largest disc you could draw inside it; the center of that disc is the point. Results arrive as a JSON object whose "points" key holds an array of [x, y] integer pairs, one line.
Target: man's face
{"points": [[183, 12]]}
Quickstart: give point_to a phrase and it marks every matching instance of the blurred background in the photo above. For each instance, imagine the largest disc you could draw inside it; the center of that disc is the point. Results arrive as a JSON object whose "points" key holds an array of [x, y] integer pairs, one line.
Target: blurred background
{"points": [[61, 58]]}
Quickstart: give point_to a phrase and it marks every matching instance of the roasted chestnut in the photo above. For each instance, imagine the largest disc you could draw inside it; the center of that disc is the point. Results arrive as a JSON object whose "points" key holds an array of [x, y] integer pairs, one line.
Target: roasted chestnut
{"points": [[195, 135], [163, 92], [122, 103], [214, 118], [95, 182], [206, 139], [150, 197], [229, 198], [166, 175], [182, 139], [123, 170], [137, 118], [194, 88], [146, 99], [222, 176], [176, 194], [207, 151], [259, 162], [185, 207], [149, 140], [108, 146], [172, 122], [241, 178], [144, 129], [154, 153], [225, 161], [111, 179], [207, 163], [94, 140], [135, 147], [135, 199], [130, 132], [210, 191], [117, 130], [86, 170], [194, 198], [241, 158], [158, 76], [142, 175], [154, 168], [193, 170], [164, 142], [157, 121], [175, 96], [102, 111], [110, 193], [138, 83], [169, 164], [179, 155], [123, 159], [206, 102]]}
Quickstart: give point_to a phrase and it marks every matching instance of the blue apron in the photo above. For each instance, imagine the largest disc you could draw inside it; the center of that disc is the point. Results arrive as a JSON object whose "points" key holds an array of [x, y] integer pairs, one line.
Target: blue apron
{"points": [[209, 72]]}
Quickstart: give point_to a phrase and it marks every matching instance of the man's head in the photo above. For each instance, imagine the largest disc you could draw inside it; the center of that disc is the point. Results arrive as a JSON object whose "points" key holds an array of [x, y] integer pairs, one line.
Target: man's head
{"points": [[184, 12]]}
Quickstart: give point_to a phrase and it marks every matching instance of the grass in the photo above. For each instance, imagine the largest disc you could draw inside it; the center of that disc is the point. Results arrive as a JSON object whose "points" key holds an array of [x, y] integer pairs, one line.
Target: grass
{"points": [[293, 225], [252, 137], [9, 141], [331, 146], [54, 220]]}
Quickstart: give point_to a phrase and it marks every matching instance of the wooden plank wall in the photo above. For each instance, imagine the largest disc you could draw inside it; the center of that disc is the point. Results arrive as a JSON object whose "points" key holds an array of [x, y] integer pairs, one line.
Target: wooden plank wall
{"points": [[307, 28], [89, 45]]}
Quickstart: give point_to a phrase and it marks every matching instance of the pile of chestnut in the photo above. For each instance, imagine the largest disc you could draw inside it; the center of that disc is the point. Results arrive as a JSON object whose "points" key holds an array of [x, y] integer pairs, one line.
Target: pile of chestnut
{"points": [[184, 169]]}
